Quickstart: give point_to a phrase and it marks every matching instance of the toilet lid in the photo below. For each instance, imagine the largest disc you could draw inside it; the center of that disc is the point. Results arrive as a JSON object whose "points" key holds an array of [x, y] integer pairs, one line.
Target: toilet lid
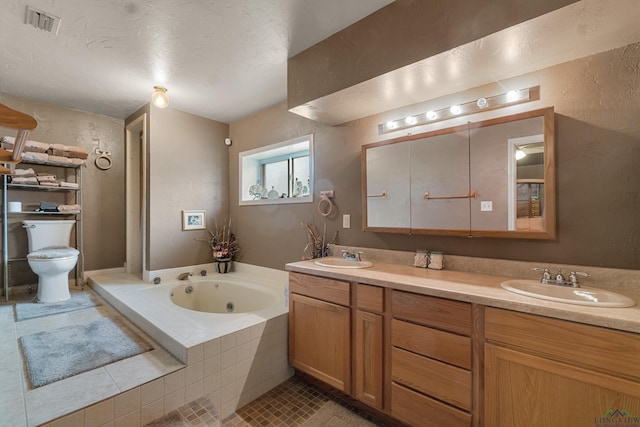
{"points": [[53, 252]]}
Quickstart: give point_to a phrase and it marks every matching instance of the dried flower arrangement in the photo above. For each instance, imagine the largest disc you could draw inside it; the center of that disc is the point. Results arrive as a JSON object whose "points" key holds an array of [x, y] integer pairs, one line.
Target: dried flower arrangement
{"points": [[317, 245], [223, 242]]}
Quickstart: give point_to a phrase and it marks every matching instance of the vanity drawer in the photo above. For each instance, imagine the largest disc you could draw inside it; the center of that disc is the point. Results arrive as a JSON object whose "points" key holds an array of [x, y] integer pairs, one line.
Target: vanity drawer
{"points": [[439, 313], [418, 410], [439, 380], [576, 343], [370, 298], [444, 346], [330, 290]]}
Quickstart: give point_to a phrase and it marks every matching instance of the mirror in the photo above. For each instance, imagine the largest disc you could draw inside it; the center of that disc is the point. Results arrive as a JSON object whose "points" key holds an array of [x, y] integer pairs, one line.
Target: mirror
{"points": [[494, 178], [278, 173]]}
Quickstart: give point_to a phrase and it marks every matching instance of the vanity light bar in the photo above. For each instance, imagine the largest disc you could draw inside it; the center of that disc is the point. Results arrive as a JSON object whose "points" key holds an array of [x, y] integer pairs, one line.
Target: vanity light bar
{"points": [[512, 97]]}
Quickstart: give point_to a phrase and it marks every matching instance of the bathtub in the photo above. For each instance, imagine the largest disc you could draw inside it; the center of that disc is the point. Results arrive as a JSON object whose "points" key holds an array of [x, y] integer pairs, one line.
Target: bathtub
{"points": [[230, 357], [224, 296]]}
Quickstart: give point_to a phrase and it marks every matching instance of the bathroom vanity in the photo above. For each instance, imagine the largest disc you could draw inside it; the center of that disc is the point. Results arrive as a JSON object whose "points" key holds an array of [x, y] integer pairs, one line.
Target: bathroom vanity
{"points": [[446, 348]]}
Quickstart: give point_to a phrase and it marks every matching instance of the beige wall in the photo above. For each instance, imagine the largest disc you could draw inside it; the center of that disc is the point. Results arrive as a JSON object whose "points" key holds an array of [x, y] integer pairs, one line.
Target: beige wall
{"points": [[102, 191], [598, 179], [400, 34], [188, 170]]}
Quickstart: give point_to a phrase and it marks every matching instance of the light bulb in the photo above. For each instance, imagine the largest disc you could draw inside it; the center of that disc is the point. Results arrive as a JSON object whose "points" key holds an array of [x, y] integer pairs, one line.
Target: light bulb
{"points": [[482, 103], [520, 154], [160, 98], [512, 95], [431, 115], [455, 110], [411, 120], [391, 124]]}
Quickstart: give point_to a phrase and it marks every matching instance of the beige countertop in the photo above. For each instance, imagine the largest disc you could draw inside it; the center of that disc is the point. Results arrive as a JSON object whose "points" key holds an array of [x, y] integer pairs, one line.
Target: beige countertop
{"points": [[475, 288]]}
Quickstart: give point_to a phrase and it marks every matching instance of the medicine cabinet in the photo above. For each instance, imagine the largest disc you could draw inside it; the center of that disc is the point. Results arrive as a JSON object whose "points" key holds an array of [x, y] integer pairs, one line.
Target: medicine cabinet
{"points": [[494, 178], [277, 173]]}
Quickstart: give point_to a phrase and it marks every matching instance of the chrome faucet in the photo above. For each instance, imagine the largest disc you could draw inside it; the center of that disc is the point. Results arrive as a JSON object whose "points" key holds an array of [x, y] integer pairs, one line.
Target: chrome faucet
{"points": [[184, 276], [559, 278], [351, 256]]}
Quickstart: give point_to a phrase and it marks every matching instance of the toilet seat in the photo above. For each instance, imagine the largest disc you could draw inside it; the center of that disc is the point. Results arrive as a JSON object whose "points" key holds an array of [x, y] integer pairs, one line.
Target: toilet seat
{"points": [[53, 252]]}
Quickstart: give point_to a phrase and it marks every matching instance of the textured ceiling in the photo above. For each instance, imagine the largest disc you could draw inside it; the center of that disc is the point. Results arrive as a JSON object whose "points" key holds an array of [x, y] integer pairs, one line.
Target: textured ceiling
{"points": [[220, 59]]}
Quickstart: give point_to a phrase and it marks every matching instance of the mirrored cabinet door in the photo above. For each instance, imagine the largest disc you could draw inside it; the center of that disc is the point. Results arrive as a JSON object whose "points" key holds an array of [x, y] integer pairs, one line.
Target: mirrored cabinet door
{"points": [[440, 182], [499, 153], [387, 203]]}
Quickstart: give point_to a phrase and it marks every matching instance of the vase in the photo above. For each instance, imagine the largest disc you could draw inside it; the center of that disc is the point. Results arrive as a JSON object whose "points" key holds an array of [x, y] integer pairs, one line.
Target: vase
{"points": [[223, 265]]}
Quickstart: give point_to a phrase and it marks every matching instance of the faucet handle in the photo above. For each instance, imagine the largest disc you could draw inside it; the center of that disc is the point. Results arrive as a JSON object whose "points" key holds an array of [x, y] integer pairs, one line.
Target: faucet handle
{"points": [[559, 276], [573, 277], [546, 274]]}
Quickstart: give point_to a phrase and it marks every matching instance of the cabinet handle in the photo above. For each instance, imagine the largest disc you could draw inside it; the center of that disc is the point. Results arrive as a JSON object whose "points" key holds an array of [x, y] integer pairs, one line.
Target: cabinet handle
{"points": [[470, 195], [383, 194]]}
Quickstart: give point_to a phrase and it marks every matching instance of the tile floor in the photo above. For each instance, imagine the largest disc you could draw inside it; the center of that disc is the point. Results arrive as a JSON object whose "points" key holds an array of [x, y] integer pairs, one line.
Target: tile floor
{"points": [[24, 406], [288, 405]]}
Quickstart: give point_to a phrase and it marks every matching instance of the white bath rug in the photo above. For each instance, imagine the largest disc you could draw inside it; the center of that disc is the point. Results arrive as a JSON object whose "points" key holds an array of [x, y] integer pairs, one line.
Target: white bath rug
{"points": [[61, 353], [32, 310]]}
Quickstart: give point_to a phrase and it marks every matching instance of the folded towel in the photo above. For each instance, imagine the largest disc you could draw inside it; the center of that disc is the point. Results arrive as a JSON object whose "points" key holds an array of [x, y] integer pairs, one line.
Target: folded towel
{"points": [[69, 208], [25, 180], [77, 152], [24, 173], [69, 184], [77, 161], [60, 160], [48, 205], [48, 183], [46, 177], [30, 146], [35, 157]]}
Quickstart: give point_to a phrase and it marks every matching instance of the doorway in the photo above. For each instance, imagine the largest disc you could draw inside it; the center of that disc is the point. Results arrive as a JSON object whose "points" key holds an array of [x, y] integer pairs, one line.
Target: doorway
{"points": [[136, 193]]}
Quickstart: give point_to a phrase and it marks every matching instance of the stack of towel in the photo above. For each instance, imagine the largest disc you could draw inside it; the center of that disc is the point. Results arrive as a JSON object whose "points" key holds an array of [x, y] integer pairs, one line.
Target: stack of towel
{"points": [[54, 207], [47, 179], [29, 177], [41, 152]]}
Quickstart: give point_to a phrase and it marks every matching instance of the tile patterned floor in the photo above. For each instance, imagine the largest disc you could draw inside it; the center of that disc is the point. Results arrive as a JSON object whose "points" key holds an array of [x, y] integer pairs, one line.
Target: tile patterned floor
{"points": [[288, 405]]}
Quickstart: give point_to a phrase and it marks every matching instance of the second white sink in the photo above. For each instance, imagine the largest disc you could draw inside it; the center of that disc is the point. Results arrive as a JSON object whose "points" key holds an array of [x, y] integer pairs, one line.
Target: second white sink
{"points": [[580, 296], [336, 262]]}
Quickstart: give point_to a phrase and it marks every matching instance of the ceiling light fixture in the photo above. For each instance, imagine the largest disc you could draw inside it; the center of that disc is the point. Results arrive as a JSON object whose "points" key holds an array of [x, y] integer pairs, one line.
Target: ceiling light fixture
{"points": [[160, 98], [520, 154], [512, 97]]}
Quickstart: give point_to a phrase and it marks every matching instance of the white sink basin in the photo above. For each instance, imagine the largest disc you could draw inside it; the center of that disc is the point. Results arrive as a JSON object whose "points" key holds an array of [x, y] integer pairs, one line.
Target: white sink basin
{"points": [[580, 296], [335, 262]]}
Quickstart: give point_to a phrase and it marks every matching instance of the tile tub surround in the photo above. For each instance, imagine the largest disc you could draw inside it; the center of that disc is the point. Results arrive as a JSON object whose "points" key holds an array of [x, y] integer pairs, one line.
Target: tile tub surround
{"points": [[231, 358], [92, 392], [483, 285]]}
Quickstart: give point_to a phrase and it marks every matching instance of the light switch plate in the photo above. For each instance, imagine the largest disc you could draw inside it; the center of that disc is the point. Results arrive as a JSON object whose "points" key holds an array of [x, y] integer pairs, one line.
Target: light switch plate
{"points": [[346, 221], [486, 206]]}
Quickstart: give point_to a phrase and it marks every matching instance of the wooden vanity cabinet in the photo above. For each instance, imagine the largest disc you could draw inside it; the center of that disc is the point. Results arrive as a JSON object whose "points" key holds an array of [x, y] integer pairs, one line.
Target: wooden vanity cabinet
{"points": [[368, 345], [431, 360], [548, 372], [336, 334], [320, 328]]}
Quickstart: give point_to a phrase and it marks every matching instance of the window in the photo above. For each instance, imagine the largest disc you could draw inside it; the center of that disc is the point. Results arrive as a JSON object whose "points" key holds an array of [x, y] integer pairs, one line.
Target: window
{"points": [[278, 173]]}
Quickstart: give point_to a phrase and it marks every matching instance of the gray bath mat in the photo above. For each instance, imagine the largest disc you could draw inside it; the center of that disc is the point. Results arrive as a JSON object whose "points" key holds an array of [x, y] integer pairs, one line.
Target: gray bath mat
{"points": [[61, 353], [31, 310]]}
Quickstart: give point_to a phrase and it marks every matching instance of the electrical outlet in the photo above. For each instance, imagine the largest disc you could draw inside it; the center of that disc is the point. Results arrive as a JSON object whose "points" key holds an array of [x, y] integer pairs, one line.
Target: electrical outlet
{"points": [[346, 221], [327, 193], [486, 206]]}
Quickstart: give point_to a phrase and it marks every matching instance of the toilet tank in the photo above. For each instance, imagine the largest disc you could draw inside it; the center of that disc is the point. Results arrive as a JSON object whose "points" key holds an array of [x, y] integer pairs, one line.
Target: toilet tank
{"points": [[43, 234]]}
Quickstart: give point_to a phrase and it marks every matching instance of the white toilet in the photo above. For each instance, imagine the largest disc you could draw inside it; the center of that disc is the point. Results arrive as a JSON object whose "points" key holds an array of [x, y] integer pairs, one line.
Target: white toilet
{"points": [[50, 257]]}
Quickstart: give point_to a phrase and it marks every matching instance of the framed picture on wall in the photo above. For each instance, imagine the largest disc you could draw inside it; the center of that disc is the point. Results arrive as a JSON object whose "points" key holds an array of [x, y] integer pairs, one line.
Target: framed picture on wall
{"points": [[194, 220]]}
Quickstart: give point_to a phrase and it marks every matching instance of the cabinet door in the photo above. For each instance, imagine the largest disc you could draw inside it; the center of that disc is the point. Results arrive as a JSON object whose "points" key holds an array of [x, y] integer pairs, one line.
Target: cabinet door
{"points": [[440, 166], [368, 354], [387, 187], [526, 390], [320, 340]]}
